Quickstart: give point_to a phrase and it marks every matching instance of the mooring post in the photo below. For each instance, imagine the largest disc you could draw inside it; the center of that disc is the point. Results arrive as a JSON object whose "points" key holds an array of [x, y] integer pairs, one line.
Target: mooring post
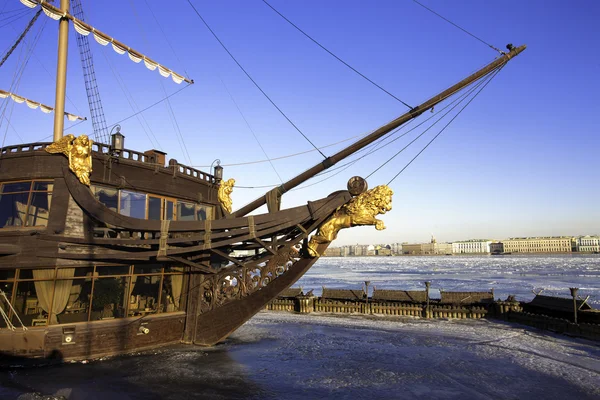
{"points": [[427, 310], [367, 283], [574, 294]]}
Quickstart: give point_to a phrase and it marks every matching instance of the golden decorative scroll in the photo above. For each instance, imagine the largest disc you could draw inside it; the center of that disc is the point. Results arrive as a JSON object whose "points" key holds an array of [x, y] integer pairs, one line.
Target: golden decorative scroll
{"points": [[361, 210], [79, 152], [224, 194]]}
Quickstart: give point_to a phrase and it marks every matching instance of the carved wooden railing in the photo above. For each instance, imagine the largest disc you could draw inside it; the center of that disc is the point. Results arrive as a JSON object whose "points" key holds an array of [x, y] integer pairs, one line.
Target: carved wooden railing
{"points": [[126, 154]]}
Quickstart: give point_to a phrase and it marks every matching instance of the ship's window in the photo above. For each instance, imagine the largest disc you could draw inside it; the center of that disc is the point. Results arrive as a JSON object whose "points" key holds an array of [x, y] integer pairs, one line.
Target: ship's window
{"points": [[133, 204], [172, 293], [169, 210], [39, 209], [109, 298], [154, 208], [185, 211], [117, 270], [7, 274], [6, 287], [73, 296], [32, 303], [147, 269], [144, 292], [16, 187], [19, 206], [107, 196], [203, 212]]}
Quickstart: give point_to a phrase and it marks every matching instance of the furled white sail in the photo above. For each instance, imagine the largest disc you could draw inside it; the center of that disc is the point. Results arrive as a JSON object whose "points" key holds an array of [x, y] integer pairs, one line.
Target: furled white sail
{"points": [[34, 105], [84, 29]]}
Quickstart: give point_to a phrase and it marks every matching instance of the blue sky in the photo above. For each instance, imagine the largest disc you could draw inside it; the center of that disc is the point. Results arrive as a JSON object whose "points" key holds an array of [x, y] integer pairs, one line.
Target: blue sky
{"points": [[519, 161]]}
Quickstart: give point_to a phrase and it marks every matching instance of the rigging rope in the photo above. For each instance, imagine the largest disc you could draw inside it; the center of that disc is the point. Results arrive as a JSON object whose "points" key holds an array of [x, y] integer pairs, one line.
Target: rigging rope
{"points": [[35, 17], [462, 29], [449, 122], [253, 81], [332, 54], [250, 128], [170, 111], [460, 100]]}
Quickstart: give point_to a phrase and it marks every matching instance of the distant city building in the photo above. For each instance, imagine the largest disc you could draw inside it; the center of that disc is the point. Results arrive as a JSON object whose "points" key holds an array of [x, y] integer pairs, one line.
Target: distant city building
{"points": [[496, 247], [474, 246], [431, 248], [588, 244], [538, 245]]}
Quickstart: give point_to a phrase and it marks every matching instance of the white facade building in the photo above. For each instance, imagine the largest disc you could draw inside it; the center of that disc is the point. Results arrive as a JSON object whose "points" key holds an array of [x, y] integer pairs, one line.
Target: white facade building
{"points": [[588, 244], [471, 247]]}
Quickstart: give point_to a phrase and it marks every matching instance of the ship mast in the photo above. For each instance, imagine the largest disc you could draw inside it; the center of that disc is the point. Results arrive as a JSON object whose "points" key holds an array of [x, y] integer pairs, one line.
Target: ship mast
{"points": [[61, 72], [385, 129]]}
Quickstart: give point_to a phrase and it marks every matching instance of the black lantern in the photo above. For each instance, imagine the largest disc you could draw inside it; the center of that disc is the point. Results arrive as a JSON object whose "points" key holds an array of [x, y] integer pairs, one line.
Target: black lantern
{"points": [[117, 143], [218, 171]]}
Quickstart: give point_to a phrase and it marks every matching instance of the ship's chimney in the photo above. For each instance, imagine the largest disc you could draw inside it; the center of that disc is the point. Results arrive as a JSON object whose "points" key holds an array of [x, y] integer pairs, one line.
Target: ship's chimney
{"points": [[156, 157]]}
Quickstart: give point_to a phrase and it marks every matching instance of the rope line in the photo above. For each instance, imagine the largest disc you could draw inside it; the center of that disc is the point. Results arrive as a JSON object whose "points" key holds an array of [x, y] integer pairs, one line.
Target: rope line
{"points": [[460, 100], [9, 52], [252, 80], [332, 54], [462, 29], [448, 124], [250, 128]]}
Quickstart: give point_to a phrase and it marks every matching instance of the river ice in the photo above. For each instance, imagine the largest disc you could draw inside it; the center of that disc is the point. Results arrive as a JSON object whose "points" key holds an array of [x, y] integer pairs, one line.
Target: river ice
{"points": [[287, 356], [517, 275]]}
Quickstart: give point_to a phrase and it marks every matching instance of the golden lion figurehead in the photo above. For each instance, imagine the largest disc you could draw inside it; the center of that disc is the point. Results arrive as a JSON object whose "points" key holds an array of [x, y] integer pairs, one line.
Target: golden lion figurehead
{"points": [[361, 210], [372, 202]]}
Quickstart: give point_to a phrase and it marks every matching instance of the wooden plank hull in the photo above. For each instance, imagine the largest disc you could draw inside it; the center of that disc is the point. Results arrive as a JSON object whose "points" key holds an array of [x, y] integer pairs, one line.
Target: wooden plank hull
{"points": [[220, 291]]}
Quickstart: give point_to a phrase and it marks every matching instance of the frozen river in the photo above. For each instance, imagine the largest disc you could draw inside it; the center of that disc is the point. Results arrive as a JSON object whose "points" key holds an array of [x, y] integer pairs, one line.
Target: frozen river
{"points": [[507, 275], [288, 356]]}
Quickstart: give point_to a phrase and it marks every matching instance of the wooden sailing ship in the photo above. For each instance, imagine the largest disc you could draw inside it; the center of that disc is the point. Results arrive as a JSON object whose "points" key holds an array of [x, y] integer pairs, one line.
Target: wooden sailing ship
{"points": [[105, 250]]}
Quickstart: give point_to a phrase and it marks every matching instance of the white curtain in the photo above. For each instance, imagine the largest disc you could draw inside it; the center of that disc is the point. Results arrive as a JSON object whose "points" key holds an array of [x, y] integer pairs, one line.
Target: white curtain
{"points": [[61, 288], [176, 286]]}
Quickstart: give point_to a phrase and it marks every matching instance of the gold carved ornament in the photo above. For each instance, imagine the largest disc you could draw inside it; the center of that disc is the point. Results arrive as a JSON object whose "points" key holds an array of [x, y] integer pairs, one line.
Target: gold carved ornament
{"points": [[224, 194], [79, 151], [360, 210]]}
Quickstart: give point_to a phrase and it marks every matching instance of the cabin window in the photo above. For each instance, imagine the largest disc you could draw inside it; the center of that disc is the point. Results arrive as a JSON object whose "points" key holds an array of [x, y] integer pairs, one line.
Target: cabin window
{"points": [[133, 204], [186, 211], [68, 295], [32, 302], [7, 288], [25, 203], [160, 208], [109, 298], [107, 196], [154, 208], [144, 295]]}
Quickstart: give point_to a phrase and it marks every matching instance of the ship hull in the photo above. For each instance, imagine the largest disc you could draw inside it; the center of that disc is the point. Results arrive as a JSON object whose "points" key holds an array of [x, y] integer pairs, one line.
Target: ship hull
{"points": [[200, 290]]}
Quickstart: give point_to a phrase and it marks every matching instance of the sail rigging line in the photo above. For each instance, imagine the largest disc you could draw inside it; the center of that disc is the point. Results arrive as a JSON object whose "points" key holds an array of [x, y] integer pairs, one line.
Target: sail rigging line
{"points": [[333, 55], [378, 144], [458, 101], [170, 111], [132, 103], [20, 38], [253, 81], [462, 29], [14, 18], [445, 126], [461, 99], [151, 105], [26, 54], [166, 38], [250, 128]]}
